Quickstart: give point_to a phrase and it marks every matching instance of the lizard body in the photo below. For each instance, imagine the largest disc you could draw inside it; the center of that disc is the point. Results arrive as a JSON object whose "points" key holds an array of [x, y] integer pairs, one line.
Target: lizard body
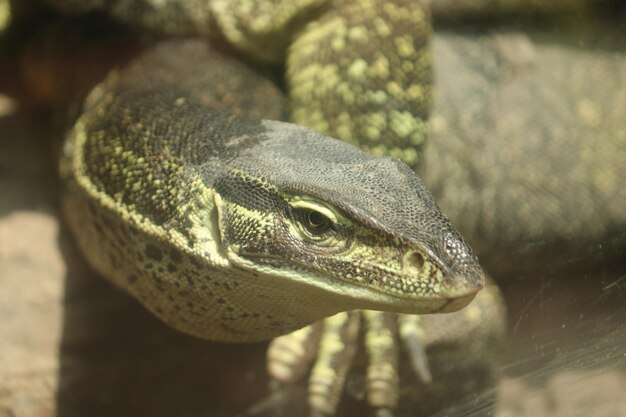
{"points": [[113, 210], [219, 213]]}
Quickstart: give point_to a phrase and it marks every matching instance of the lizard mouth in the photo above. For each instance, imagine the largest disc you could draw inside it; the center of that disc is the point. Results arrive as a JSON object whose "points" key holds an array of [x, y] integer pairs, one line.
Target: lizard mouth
{"points": [[461, 290], [455, 290], [455, 294], [455, 304]]}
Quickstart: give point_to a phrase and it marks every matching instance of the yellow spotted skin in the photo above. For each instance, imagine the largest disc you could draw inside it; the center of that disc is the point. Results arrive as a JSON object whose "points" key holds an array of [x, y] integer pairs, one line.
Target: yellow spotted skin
{"points": [[264, 29], [361, 72]]}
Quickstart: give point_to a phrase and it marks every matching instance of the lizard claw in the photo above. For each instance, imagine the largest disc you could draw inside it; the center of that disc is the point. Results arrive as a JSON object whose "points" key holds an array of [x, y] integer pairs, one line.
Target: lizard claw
{"points": [[412, 335]]}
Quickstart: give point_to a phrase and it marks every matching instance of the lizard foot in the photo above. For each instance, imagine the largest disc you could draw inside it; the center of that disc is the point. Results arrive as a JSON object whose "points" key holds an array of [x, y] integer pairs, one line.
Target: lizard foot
{"points": [[333, 343]]}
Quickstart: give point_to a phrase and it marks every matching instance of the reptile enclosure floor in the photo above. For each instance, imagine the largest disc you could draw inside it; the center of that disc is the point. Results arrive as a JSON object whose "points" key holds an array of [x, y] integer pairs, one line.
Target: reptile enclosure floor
{"points": [[70, 345]]}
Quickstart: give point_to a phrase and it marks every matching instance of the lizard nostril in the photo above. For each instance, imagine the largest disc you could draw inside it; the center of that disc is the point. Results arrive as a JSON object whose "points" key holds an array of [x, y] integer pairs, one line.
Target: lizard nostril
{"points": [[413, 259]]}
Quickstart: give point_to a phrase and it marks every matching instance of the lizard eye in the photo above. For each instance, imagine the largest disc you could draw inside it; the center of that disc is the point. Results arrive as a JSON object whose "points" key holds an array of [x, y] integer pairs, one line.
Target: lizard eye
{"points": [[314, 222]]}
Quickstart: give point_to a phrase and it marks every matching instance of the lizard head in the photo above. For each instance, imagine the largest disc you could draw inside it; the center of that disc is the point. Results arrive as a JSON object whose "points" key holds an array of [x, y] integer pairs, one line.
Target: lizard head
{"points": [[324, 215]]}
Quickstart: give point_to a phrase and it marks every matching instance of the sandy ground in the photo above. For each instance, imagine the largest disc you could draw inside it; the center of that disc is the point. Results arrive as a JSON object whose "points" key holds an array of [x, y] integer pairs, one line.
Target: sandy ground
{"points": [[71, 345]]}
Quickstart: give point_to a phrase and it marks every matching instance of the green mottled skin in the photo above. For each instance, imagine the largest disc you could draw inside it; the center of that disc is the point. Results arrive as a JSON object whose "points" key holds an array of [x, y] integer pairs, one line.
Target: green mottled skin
{"points": [[163, 203], [501, 199], [362, 73]]}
